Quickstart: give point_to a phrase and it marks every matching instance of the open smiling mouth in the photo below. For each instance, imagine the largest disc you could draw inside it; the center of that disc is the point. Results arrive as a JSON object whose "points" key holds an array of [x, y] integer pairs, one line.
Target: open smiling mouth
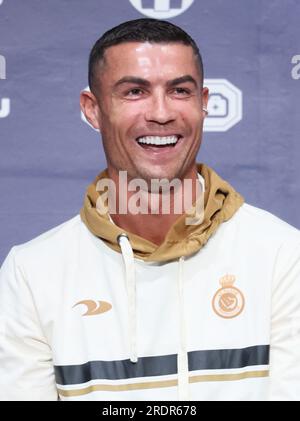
{"points": [[158, 142]]}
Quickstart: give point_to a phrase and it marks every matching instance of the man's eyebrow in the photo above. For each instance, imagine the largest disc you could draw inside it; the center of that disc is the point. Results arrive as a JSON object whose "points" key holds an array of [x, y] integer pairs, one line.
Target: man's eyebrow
{"points": [[132, 79], [182, 79], [145, 82]]}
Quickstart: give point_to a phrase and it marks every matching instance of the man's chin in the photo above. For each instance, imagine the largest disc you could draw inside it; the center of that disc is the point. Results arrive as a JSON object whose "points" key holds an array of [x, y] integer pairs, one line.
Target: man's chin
{"points": [[154, 176]]}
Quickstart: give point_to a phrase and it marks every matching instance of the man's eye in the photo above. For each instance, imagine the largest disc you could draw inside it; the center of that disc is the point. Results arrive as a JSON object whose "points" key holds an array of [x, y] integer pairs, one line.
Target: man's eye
{"points": [[182, 91], [134, 92]]}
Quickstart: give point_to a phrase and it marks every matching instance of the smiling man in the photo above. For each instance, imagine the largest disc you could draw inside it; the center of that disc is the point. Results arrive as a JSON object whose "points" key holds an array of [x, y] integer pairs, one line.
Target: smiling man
{"points": [[131, 299], [149, 103]]}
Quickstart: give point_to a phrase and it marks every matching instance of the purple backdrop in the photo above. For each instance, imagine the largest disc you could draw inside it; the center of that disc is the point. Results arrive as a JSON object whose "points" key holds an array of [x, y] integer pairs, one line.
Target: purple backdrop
{"points": [[49, 155]]}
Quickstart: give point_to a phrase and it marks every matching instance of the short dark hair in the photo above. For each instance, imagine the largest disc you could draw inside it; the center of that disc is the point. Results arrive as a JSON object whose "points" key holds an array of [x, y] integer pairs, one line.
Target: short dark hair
{"points": [[140, 30]]}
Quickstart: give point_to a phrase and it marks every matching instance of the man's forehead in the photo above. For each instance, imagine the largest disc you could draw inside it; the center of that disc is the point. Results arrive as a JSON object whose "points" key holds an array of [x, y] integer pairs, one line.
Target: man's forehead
{"points": [[145, 57], [147, 49]]}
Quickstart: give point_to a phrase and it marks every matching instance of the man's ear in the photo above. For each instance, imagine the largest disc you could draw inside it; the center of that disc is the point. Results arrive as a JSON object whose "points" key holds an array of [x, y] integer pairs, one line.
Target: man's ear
{"points": [[90, 108], [205, 96]]}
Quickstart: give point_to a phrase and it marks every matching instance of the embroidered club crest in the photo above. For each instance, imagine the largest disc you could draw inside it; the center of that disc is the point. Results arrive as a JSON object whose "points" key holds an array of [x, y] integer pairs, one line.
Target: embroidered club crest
{"points": [[228, 301]]}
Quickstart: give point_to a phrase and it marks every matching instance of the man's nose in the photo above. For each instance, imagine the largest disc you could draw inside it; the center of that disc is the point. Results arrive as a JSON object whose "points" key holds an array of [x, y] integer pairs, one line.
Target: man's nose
{"points": [[160, 109]]}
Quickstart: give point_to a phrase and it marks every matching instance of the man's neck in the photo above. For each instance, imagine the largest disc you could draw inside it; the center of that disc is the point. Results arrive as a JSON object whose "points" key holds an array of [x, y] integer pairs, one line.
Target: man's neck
{"points": [[151, 225]]}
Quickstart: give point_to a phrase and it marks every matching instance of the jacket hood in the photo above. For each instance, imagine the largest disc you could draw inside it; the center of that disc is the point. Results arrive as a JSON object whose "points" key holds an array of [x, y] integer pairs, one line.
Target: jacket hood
{"points": [[221, 202]]}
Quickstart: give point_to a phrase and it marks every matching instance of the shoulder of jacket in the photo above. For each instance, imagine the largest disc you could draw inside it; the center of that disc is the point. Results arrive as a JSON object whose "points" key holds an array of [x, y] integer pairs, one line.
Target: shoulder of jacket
{"points": [[264, 224], [50, 241]]}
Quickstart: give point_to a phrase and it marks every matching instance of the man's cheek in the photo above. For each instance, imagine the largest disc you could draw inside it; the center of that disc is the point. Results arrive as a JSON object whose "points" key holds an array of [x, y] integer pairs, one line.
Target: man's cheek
{"points": [[191, 110]]}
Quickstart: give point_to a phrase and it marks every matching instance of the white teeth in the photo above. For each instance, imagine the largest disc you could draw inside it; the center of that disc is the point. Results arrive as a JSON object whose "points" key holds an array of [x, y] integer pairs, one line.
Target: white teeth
{"points": [[157, 140]]}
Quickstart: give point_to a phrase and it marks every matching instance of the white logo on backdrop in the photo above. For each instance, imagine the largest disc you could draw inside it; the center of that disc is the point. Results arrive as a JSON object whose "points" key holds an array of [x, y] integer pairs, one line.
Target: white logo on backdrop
{"points": [[2, 67], [4, 107], [4, 102], [296, 69], [225, 106], [1, 1], [161, 9]]}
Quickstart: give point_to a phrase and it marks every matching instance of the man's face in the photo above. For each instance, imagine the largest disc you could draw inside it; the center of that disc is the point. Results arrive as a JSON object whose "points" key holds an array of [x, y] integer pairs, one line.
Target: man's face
{"points": [[150, 94]]}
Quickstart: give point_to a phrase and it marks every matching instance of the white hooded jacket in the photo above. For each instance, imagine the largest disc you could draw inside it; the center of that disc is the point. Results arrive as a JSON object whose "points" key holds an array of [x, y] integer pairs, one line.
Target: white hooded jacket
{"points": [[80, 321]]}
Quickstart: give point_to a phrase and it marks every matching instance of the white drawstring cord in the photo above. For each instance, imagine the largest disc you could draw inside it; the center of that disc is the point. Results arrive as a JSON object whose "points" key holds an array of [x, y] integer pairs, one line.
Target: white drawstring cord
{"points": [[182, 356], [128, 257]]}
